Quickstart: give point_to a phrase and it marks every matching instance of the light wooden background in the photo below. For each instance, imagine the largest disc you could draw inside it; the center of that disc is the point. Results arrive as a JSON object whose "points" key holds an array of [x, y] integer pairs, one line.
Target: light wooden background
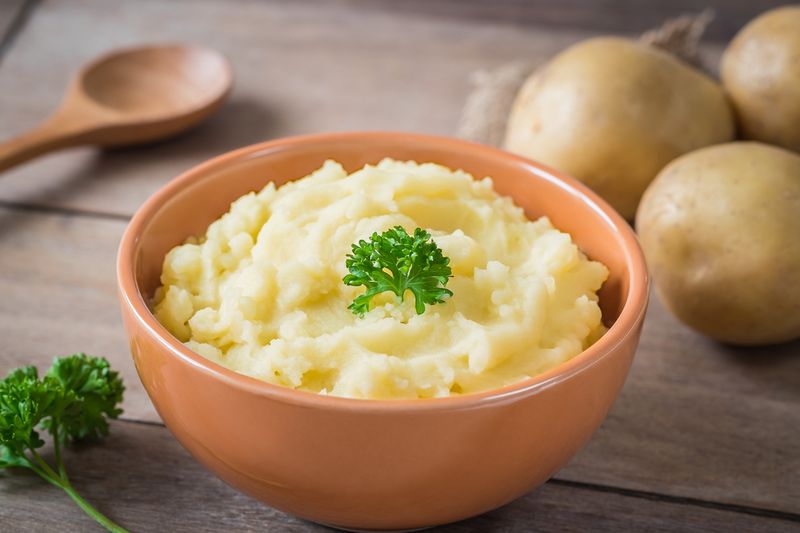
{"points": [[703, 437]]}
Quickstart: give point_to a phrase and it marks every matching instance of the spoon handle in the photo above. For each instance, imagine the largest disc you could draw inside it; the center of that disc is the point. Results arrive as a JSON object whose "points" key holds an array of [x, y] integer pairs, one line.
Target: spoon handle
{"points": [[40, 140]]}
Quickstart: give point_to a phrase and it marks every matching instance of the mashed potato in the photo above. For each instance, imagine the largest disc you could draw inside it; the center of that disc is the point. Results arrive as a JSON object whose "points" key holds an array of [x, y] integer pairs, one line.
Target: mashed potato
{"points": [[262, 294]]}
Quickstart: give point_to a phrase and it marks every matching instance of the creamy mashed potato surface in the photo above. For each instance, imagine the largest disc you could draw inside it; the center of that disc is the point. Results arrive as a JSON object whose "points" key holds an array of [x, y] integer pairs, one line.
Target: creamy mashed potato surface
{"points": [[262, 294]]}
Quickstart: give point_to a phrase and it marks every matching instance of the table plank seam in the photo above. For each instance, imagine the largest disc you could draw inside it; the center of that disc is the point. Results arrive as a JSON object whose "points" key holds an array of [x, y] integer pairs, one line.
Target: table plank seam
{"points": [[140, 422], [62, 211], [621, 491], [17, 25], [568, 15], [679, 500]]}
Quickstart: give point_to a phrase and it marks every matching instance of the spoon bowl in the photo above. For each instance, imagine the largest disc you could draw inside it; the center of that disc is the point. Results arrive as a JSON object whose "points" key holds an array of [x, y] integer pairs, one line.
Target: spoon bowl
{"points": [[130, 96], [172, 86]]}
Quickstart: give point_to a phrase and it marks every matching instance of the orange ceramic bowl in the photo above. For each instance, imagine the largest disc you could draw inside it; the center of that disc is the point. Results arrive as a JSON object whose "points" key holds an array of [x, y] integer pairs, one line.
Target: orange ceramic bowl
{"points": [[379, 464]]}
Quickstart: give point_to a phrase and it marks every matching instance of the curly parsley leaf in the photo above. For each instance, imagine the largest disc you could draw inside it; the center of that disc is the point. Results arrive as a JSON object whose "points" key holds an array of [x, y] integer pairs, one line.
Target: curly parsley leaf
{"points": [[25, 401], [72, 401], [98, 392], [398, 262]]}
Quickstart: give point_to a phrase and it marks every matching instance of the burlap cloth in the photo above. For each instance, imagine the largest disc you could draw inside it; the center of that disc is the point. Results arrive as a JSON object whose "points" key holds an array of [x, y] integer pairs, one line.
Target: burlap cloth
{"points": [[485, 112]]}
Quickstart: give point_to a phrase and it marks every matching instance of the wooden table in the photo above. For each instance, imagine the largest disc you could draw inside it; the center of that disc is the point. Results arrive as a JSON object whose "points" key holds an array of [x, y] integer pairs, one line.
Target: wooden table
{"points": [[703, 437]]}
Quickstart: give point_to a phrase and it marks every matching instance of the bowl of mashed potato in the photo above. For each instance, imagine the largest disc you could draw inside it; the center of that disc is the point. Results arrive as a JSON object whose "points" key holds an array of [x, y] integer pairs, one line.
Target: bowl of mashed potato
{"points": [[348, 326]]}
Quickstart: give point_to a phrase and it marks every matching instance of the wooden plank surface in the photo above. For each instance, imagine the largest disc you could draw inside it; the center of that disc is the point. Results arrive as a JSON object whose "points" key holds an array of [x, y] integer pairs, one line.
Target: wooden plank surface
{"points": [[9, 9], [702, 419], [715, 426], [613, 16], [59, 295], [301, 67], [143, 479], [695, 419]]}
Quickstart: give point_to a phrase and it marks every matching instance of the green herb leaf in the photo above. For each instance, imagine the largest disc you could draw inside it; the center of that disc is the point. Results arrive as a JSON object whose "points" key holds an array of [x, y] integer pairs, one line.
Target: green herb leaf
{"points": [[97, 391], [398, 262], [73, 401], [25, 401]]}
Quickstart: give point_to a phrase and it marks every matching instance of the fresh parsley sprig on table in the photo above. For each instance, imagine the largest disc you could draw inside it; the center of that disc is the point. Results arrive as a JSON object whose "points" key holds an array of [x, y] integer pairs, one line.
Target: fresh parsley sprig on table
{"points": [[72, 402], [398, 262]]}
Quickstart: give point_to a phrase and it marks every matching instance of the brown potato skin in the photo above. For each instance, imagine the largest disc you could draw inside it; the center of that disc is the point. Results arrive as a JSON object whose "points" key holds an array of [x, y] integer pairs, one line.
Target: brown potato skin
{"points": [[720, 228], [761, 72], [612, 112]]}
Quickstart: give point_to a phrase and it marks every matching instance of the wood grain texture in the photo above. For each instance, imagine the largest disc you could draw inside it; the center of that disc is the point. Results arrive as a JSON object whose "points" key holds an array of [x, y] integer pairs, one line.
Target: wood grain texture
{"points": [[143, 479], [59, 296], [703, 419], [695, 419], [614, 16], [301, 67], [9, 9]]}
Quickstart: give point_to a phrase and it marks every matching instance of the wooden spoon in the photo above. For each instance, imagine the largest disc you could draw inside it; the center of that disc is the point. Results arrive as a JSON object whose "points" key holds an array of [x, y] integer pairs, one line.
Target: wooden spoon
{"points": [[130, 96]]}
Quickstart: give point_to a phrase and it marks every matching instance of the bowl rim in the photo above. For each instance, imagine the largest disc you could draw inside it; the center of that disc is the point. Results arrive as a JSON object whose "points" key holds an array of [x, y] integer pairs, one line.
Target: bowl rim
{"points": [[626, 324]]}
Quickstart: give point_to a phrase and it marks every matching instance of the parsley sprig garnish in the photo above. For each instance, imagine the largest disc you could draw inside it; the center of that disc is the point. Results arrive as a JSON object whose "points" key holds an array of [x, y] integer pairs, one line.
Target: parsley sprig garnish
{"points": [[72, 402], [398, 262]]}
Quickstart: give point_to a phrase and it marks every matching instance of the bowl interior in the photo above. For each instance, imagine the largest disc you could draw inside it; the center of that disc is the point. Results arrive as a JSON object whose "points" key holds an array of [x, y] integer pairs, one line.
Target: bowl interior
{"points": [[191, 202]]}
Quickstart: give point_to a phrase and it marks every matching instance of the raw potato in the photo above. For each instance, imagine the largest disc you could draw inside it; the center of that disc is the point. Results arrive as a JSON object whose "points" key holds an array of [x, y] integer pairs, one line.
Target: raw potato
{"points": [[761, 71], [720, 229], [612, 112]]}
